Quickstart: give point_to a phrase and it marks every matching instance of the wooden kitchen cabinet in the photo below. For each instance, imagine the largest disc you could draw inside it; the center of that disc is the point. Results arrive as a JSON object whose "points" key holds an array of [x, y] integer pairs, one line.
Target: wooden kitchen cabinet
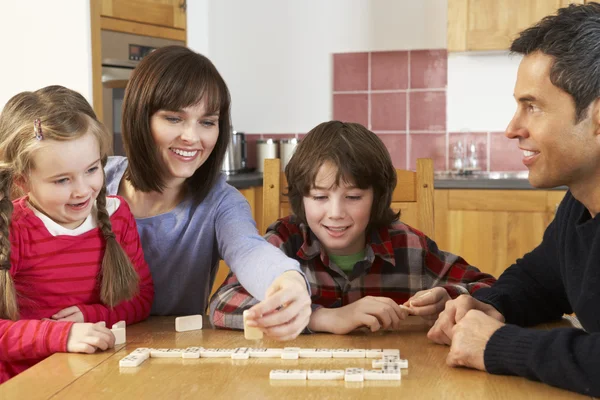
{"points": [[490, 229], [492, 24], [169, 13]]}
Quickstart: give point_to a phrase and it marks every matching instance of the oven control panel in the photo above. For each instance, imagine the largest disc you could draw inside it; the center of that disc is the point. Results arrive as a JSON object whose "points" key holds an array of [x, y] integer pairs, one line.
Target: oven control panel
{"points": [[137, 52]]}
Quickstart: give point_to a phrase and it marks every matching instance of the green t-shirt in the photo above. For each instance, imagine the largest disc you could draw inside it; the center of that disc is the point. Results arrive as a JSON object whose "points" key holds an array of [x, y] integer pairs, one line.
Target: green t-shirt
{"points": [[346, 263]]}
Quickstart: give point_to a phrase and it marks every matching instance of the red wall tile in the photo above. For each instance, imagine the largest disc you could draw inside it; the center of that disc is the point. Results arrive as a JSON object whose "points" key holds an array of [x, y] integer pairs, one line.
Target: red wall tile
{"points": [[428, 69], [505, 154], [350, 71], [388, 111], [396, 145], [351, 108], [481, 145], [427, 111], [389, 70], [428, 145]]}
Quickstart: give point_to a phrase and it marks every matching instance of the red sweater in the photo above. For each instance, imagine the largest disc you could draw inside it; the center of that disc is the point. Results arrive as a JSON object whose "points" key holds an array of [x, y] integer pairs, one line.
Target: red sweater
{"points": [[51, 273]]}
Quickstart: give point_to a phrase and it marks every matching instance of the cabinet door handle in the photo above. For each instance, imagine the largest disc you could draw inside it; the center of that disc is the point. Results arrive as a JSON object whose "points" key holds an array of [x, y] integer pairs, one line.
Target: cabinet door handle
{"points": [[183, 5]]}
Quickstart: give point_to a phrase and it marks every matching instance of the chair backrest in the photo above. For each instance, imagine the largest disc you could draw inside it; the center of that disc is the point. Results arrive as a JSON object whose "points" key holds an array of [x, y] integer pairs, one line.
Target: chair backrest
{"points": [[413, 196]]}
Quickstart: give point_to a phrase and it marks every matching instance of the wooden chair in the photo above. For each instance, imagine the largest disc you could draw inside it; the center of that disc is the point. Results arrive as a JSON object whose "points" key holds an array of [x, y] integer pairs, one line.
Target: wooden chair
{"points": [[413, 196]]}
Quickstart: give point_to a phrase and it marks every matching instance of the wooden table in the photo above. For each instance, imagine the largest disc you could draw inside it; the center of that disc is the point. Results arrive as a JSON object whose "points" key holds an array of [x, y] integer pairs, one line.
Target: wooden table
{"points": [[98, 376]]}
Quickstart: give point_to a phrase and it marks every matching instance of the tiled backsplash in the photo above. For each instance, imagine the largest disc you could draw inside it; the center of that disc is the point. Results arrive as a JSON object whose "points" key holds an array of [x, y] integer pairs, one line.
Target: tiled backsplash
{"points": [[401, 96]]}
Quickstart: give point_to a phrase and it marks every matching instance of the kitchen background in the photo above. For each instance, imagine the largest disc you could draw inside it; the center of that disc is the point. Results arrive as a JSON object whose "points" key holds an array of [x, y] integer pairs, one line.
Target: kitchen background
{"points": [[293, 64]]}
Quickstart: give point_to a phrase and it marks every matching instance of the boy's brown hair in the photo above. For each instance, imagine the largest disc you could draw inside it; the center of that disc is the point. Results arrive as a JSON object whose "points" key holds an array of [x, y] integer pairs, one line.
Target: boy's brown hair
{"points": [[361, 159], [172, 78], [61, 114]]}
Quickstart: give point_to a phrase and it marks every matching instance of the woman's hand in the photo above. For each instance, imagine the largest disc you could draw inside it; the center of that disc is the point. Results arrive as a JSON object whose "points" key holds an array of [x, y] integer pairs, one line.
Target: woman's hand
{"points": [[286, 309]]}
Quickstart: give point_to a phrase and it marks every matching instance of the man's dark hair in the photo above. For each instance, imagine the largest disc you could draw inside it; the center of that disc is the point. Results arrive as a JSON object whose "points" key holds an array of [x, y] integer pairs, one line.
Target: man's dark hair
{"points": [[572, 38]]}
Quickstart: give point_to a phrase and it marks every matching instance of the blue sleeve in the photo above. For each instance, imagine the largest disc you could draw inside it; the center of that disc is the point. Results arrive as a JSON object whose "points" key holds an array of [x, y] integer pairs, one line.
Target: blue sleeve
{"points": [[256, 262]]}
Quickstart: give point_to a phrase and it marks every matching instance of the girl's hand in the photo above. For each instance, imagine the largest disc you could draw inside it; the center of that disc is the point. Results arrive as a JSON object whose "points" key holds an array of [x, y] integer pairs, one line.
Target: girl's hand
{"points": [[428, 303], [285, 311], [69, 314], [87, 338], [373, 312]]}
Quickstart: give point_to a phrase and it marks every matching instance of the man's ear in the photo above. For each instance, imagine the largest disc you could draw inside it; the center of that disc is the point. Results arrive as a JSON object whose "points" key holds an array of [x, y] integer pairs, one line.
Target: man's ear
{"points": [[595, 115]]}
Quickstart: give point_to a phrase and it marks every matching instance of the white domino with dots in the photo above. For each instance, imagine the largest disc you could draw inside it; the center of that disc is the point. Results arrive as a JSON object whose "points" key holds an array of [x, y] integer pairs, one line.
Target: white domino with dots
{"points": [[165, 353], [348, 353], [250, 332], [288, 374], [132, 360], [216, 353], [354, 375], [241, 353], [385, 374], [290, 353], [191, 352], [265, 353], [141, 351], [391, 352], [326, 374], [315, 353], [188, 323]]}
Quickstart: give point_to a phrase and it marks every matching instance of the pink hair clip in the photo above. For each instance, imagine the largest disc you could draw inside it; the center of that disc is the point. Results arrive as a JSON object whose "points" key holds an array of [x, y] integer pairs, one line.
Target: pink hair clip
{"points": [[37, 129]]}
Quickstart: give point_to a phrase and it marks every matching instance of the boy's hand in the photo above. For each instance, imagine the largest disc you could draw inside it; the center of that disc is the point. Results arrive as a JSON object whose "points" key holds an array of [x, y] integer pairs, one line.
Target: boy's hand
{"points": [[373, 312], [87, 338], [69, 314], [428, 304], [285, 311]]}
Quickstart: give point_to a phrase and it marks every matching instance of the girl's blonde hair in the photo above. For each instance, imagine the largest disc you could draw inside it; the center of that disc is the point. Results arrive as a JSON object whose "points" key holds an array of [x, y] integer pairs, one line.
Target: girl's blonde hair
{"points": [[63, 114]]}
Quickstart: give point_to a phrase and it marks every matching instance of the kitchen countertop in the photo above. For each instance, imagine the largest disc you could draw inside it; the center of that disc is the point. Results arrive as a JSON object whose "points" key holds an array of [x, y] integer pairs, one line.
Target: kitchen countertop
{"points": [[443, 180]]}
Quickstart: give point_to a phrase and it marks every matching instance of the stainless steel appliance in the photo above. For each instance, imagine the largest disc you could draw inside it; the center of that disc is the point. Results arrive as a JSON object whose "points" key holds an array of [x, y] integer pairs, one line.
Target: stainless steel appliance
{"points": [[121, 52], [265, 148], [235, 156]]}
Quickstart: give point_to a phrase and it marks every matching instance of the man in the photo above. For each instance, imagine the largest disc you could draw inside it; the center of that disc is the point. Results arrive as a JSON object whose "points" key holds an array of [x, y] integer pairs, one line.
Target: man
{"points": [[557, 124]]}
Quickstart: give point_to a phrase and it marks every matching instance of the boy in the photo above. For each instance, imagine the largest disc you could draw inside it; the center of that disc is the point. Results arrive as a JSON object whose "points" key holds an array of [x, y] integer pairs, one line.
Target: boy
{"points": [[360, 261]]}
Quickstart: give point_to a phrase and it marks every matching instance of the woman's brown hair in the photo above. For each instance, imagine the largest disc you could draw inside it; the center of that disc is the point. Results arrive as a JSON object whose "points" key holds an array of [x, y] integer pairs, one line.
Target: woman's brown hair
{"points": [[63, 114], [172, 78], [360, 157]]}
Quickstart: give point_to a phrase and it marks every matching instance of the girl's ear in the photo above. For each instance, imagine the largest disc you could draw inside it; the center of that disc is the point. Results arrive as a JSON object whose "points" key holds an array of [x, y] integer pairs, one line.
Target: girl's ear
{"points": [[22, 183]]}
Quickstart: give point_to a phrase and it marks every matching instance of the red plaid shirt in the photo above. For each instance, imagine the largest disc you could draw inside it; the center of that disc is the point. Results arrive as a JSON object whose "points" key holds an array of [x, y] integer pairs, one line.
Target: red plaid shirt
{"points": [[399, 261]]}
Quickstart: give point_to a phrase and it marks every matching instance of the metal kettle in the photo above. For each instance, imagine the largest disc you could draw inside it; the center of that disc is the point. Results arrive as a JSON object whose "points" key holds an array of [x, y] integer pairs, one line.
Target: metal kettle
{"points": [[235, 155]]}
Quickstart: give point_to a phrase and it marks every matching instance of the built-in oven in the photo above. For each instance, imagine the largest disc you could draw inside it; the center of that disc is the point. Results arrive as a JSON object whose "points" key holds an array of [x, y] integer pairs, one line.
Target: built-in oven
{"points": [[121, 52]]}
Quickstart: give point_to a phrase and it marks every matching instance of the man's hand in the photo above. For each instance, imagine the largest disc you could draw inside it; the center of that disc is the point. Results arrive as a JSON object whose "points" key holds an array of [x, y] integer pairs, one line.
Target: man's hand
{"points": [[428, 304], [286, 309], [69, 314], [373, 312], [455, 310], [470, 336]]}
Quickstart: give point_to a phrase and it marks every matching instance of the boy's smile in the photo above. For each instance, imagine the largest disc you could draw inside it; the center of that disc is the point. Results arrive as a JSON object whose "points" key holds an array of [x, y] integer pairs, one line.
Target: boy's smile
{"points": [[338, 215]]}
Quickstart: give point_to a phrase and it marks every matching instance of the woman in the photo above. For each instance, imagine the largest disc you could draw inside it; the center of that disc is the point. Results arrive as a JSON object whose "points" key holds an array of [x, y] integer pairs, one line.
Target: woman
{"points": [[176, 127]]}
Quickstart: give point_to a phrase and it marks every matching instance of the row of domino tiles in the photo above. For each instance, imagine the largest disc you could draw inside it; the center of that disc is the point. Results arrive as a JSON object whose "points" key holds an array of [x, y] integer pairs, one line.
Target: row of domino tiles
{"points": [[385, 356]]}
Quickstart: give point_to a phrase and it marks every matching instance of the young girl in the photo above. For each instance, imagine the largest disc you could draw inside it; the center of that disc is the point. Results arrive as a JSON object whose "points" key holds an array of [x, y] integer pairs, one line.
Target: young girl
{"points": [[69, 255], [361, 262], [176, 128]]}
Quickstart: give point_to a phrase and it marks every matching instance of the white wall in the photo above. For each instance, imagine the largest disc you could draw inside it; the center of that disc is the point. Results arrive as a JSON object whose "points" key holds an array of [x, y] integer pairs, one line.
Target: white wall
{"points": [[480, 91], [45, 43], [276, 55]]}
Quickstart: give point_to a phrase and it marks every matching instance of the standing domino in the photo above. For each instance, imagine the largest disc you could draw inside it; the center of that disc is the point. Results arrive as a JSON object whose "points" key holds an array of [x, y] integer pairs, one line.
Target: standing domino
{"points": [[251, 333], [118, 325], [189, 323], [120, 335]]}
